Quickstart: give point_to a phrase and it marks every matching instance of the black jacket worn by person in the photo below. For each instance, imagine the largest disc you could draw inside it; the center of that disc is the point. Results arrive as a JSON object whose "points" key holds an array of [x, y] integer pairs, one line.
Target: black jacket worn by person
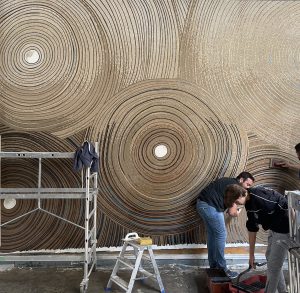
{"points": [[268, 208], [213, 194]]}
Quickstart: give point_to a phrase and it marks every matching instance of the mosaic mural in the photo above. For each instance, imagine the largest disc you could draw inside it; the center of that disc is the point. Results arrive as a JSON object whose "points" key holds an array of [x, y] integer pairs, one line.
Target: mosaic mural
{"points": [[177, 93]]}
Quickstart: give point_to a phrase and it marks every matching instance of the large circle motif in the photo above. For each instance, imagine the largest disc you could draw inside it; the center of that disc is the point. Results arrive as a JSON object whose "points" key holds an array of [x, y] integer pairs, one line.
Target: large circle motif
{"points": [[28, 228], [247, 55], [148, 193], [52, 56]]}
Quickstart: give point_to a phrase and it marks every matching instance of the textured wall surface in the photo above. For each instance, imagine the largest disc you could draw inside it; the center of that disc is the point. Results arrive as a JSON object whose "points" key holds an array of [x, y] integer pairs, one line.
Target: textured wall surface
{"points": [[214, 83]]}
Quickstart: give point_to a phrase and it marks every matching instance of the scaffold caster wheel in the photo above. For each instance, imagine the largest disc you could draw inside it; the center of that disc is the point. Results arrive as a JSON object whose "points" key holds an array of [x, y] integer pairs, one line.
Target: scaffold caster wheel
{"points": [[83, 288]]}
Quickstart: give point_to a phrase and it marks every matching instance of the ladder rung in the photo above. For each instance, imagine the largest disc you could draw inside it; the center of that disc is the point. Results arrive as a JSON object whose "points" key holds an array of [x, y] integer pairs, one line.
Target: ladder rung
{"points": [[146, 257], [120, 282], [130, 265], [92, 193], [93, 175], [146, 273], [91, 213], [126, 262], [91, 248], [91, 233]]}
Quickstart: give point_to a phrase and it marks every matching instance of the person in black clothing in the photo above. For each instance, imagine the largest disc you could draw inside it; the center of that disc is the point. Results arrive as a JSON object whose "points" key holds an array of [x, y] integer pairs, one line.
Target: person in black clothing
{"points": [[211, 204], [269, 208]]}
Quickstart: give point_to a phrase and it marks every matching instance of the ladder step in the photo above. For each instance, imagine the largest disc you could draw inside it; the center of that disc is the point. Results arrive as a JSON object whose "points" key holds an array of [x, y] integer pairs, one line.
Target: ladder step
{"points": [[126, 262], [130, 265], [93, 175], [91, 251], [91, 213], [146, 257], [120, 282], [146, 273], [91, 234], [138, 272]]}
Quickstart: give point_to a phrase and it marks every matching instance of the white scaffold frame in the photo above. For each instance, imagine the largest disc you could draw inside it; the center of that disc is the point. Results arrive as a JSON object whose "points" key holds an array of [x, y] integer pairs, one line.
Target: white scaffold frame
{"points": [[88, 192], [293, 244]]}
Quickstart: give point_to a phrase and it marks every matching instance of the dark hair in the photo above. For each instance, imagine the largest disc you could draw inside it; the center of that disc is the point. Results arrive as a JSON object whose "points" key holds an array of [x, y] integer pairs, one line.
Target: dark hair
{"points": [[297, 147], [245, 176], [232, 193]]}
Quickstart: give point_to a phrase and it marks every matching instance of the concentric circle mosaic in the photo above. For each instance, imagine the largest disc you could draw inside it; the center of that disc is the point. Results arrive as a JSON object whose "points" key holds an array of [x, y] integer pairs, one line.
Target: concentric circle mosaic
{"points": [[38, 230], [153, 193], [53, 65], [246, 53]]}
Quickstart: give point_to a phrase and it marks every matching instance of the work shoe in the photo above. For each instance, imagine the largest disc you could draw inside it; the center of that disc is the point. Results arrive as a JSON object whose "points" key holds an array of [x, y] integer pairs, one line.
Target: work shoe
{"points": [[231, 274]]}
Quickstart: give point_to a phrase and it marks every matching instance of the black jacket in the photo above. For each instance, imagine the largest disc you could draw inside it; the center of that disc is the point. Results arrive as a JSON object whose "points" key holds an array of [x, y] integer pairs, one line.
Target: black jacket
{"points": [[268, 208], [214, 193], [86, 156]]}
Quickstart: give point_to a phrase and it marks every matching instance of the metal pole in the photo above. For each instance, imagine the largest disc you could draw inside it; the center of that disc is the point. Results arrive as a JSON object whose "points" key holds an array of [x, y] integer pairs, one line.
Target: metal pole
{"points": [[87, 212], [297, 275], [297, 259], [95, 212], [39, 181], [0, 199], [290, 257]]}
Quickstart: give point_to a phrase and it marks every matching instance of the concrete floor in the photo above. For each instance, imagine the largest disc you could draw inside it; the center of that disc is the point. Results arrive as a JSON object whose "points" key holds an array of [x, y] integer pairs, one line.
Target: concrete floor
{"points": [[176, 279], [47, 273]]}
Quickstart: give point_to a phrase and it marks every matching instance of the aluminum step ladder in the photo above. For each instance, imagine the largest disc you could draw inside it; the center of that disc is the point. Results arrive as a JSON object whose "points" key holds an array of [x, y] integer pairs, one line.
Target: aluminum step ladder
{"points": [[138, 272]]}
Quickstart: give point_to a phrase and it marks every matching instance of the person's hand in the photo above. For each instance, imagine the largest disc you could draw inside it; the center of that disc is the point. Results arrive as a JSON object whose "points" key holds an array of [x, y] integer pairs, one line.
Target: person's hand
{"points": [[282, 164], [286, 165], [232, 211], [235, 210]]}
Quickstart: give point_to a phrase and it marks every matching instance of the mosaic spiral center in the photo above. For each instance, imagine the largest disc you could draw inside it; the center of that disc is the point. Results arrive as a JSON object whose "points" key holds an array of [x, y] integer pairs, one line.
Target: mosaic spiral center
{"points": [[160, 151], [32, 56]]}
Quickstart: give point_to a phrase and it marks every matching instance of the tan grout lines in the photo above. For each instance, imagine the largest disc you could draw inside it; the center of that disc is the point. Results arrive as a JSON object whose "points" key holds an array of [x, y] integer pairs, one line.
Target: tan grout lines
{"points": [[181, 11], [39, 230], [115, 65], [140, 48], [151, 194], [246, 55], [58, 89]]}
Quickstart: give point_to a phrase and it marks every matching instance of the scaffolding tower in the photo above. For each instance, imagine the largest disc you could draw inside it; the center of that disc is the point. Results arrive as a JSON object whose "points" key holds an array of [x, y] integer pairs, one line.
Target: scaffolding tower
{"points": [[87, 192], [293, 243]]}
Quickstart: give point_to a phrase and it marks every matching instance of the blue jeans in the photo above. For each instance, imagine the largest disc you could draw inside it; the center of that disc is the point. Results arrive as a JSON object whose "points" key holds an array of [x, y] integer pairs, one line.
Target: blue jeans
{"points": [[216, 234]]}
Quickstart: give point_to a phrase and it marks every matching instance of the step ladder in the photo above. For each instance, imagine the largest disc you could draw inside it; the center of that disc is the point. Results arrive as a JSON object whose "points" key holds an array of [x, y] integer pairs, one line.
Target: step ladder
{"points": [[138, 272]]}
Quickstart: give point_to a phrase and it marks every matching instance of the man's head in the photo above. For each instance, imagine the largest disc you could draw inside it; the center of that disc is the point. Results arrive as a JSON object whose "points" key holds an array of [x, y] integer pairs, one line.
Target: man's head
{"points": [[235, 193], [245, 179], [297, 148]]}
